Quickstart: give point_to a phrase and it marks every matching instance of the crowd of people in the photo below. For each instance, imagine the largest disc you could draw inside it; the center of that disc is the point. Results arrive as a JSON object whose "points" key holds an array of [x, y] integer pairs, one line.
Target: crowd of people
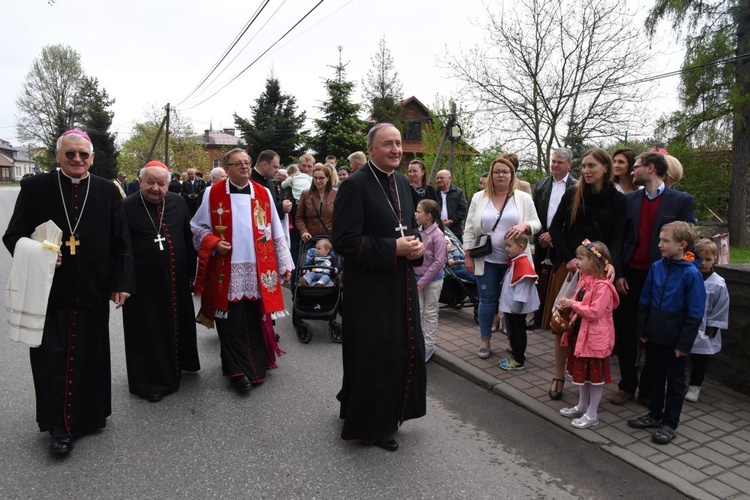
{"points": [[617, 244]]}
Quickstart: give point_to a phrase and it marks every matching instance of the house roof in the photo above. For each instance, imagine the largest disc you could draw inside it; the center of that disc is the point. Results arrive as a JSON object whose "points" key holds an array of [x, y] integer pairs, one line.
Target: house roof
{"points": [[5, 161], [218, 138]]}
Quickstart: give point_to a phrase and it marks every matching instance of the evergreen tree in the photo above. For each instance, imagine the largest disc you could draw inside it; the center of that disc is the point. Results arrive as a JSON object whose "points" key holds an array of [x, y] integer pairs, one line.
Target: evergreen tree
{"points": [[715, 97], [95, 117], [340, 131], [275, 124], [382, 89]]}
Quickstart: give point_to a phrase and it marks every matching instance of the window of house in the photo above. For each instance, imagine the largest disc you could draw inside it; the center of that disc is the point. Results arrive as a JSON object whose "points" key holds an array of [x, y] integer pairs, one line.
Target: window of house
{"points": [[413, 131], [216, 163]]}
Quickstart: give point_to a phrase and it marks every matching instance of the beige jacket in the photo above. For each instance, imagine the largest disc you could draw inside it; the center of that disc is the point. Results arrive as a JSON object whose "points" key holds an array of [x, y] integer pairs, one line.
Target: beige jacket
{"points": [[473, 227]]}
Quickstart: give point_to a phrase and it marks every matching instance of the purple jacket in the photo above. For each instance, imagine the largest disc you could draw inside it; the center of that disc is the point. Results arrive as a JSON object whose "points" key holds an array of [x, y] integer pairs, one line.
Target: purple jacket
{"points": [[433, 261]]}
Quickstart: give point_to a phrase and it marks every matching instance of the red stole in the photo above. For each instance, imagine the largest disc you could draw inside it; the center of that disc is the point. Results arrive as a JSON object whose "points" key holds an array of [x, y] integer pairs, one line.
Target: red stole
{"points": [[214, 271], [520, 268]]}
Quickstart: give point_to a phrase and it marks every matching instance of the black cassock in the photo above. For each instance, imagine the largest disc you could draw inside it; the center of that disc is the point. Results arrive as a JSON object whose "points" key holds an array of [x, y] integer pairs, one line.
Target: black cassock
{"points": [[159, 318], [71, 369], [383, 349]]}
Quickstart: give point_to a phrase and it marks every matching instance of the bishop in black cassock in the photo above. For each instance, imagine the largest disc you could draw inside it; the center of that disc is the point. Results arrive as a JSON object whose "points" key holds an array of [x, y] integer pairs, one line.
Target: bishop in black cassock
{"points": [[71, 369], [159, 318], [383, 348]]}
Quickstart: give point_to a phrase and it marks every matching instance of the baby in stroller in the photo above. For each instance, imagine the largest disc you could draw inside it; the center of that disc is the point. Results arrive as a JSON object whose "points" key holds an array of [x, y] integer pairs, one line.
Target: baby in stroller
{"points": [[325, 263], [456, 259]]}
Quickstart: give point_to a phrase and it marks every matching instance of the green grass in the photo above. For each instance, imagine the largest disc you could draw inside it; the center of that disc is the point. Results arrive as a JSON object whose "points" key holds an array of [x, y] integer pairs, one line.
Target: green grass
{"points": [[739, 255]]}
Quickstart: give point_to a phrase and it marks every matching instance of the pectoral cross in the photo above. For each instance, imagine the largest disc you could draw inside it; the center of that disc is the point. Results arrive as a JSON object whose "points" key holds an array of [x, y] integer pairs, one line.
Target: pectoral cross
{"points": [[401, 228], [159, 238], [72, 243]]}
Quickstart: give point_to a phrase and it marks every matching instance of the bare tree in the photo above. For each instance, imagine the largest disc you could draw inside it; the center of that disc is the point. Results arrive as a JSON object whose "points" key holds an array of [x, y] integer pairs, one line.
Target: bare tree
{"points": [[555, 73], [46, 103]]}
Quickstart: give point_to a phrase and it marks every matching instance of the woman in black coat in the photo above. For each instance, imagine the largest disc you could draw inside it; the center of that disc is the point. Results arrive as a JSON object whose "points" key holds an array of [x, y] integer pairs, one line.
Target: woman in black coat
{"points": [[417, 175], [593, 209]]}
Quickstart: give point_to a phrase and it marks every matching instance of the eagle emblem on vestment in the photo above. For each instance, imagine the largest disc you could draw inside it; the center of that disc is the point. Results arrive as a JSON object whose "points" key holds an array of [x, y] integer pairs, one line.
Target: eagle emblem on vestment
{"points": [[269, 280]]}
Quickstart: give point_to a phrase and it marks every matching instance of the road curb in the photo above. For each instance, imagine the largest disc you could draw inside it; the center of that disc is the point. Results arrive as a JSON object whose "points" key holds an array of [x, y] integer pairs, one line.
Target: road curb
{"points": [[480, 377]]}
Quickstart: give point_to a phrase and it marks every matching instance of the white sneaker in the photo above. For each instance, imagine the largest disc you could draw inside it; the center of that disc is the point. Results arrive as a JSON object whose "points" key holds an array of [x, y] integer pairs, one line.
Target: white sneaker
{"points": [[693, 393]]}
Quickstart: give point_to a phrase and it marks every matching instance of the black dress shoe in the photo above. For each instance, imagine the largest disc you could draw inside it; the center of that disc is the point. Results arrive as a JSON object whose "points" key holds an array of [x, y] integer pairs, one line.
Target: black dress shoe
{"points": [[555, 390], [388, 443], [242, 384], [60, 446], [154, 397]]}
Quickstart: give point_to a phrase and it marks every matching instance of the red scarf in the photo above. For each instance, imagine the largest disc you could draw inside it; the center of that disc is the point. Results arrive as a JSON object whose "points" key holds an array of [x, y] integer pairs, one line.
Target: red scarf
{"points": [[214, 271]]}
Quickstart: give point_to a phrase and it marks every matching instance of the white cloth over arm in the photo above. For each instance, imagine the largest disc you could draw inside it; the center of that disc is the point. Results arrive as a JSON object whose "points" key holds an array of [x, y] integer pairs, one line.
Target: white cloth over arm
{"points": [[30, 283]]}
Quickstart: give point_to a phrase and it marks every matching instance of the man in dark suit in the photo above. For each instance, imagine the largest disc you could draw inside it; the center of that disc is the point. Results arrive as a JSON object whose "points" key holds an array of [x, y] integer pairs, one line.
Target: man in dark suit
{"points": [[453, 204], [191, 190], [265, 170], [647, 210], [134, 186], [122, 181], [547, 195]]}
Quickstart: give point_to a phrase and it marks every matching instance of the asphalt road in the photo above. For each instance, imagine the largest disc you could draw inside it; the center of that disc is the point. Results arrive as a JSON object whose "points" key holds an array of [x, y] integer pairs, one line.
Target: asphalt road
{"points": [[282, 439]]}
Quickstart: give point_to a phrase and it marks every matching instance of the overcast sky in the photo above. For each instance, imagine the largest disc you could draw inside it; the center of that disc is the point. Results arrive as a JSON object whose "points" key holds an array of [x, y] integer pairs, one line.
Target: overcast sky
{"points": [[149, 53]]}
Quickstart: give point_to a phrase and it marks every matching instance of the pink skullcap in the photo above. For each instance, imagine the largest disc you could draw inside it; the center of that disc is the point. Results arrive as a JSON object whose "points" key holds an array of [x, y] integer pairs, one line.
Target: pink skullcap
{"points": [[77, 132], [155, 163], [660, 151]]}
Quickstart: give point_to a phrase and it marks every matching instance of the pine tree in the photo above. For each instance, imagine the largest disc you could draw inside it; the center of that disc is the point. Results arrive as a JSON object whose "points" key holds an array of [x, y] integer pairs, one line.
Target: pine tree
{"points": [[382, 90], [340, 131], [275, 124], [715, 98], [95, 117]]}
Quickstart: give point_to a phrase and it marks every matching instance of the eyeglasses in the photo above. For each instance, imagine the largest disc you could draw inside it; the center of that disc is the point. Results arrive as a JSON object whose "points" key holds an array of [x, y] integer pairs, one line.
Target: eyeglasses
{"points": [[635, 167], [240, 163], [72, 154]]}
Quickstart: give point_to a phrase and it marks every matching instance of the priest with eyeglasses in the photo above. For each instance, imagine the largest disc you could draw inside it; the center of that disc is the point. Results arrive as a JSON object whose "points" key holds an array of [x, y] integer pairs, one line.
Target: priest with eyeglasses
{"points": [[159, 318], [71, 367]]}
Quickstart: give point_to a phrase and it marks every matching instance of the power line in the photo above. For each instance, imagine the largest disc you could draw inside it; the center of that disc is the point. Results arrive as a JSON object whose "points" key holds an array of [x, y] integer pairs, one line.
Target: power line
{"points": [[259, 57], [241, 50], [229, 49]]}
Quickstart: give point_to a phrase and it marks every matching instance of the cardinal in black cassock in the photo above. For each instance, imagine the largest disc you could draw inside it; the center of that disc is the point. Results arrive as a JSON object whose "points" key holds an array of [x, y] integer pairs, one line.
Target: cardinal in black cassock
{"points": [[383, 347], [159, 318], [71, 369]]}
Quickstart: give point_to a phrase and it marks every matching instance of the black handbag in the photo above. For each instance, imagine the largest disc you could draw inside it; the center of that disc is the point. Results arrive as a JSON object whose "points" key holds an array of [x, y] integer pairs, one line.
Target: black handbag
{"points": [[482, 246]]}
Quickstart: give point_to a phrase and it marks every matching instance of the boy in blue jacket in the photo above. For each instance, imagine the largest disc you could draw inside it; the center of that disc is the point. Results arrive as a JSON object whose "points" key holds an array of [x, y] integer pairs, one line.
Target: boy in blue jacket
{"points": [[671, 309]]}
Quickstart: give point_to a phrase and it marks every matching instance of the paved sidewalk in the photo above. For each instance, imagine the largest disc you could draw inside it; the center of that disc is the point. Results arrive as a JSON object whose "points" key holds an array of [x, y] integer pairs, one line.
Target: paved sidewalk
{"points": [[709, 458]]}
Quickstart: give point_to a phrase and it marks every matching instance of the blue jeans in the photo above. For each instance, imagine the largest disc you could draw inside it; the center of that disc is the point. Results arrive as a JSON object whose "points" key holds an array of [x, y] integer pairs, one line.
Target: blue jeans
{"points": [[489, 285]]}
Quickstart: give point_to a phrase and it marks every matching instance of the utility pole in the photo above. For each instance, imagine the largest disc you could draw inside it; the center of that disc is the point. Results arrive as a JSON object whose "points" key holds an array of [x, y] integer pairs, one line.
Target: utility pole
{"points": [[446, 134], [166, 137]]}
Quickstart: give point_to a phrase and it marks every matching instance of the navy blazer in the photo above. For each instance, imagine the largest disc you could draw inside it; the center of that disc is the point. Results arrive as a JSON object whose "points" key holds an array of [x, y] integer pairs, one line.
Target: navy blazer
{"points": [[675, 205]]}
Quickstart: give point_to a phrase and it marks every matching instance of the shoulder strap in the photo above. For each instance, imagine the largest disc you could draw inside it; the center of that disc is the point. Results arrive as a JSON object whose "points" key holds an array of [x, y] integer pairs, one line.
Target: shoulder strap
{"points": [[500, 214], [320, 212]]}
